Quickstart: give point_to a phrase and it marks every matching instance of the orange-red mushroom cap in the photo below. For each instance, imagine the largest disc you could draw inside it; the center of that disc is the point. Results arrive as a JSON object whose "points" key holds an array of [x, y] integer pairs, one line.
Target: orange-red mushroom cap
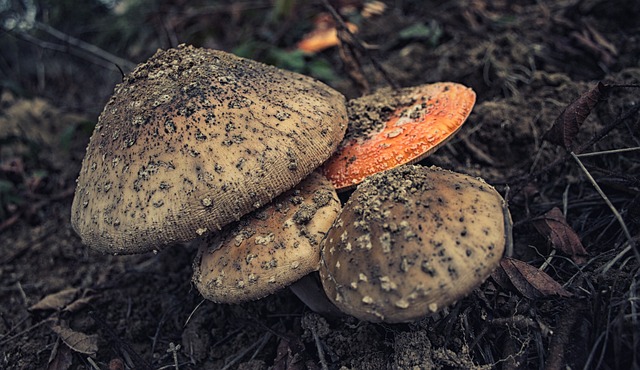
{"points": [[390, 128]]}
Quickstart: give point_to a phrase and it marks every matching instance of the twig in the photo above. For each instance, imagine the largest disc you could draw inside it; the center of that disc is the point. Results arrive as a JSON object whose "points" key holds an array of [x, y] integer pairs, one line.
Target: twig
{"points": [[612, 151], [22, 294], [633, 298], [34, 326], [615, 259], [74, 46], [10, 221], [342, 27], [242, 353], [93, 363], [138, 361], [613, 209], [561, 339], [85, 46], [263, 342], [323, 361], [157, 333]]}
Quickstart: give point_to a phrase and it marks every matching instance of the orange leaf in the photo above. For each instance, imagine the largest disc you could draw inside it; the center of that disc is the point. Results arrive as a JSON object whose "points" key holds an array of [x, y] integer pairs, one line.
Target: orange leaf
{"points": [[323, 36]]}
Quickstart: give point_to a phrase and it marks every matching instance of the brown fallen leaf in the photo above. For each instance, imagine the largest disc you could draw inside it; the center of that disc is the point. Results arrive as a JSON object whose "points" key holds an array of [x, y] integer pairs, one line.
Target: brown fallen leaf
{"points": [[527, 280], [555, 228], [70, 300], [288, 355], [566, 126], [56, 301], [77, 341], [81, 302]]}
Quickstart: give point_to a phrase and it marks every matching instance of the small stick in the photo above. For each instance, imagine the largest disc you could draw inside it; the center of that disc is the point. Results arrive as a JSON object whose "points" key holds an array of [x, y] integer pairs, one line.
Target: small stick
{"points": [[358, 45], [138, 361], [242, 353], [316, 338], [93, 363]]}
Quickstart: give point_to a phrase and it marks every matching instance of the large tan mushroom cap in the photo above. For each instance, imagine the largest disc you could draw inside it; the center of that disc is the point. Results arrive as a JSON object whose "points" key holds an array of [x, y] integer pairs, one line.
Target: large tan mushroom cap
{"points": [[194, 139], [412, 240], [270, 248]]}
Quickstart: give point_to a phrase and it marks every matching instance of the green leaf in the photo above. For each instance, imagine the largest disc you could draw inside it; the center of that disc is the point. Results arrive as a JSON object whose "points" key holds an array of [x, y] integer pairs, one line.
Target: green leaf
{"points": [[431, 32]]}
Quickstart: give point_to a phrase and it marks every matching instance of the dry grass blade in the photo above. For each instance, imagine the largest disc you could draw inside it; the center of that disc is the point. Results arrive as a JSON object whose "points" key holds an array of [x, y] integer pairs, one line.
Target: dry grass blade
{"points": [[615, 212]]}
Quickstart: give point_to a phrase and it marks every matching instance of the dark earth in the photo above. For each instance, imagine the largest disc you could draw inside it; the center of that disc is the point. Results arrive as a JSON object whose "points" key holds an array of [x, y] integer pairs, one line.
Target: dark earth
{"points": [[552, 305]]}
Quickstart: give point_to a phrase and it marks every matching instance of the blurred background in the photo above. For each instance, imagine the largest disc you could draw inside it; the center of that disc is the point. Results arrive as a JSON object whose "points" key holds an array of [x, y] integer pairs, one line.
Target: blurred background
{"points": [[73, 52]]}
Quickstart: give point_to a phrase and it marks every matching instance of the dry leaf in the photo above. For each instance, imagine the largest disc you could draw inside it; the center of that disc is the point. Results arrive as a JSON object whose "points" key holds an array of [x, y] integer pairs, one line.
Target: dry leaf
{"points": [[70, 300], [77, 341], [566, 126], [527, 280], [323, 36], [555, 228], [56, 301], [288, 355], [80, 303]]}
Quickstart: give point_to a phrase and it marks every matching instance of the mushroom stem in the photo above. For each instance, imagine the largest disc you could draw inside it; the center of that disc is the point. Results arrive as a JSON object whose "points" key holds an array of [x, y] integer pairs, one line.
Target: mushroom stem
{"points": [[310, 292]]}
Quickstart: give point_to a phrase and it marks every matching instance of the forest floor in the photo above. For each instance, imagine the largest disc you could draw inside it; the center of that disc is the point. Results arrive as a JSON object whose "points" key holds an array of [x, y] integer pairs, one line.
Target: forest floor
{"points": [[552, 305]]}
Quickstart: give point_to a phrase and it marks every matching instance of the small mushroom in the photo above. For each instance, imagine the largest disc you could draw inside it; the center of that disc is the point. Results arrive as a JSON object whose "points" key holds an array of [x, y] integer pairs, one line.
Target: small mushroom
{"points": [[412, 240], [192, 140], [394, 127], [269, 248]]}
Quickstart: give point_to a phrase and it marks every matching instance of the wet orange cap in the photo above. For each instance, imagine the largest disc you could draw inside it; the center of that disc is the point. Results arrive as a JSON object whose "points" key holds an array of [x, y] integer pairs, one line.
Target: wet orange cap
{"points": [[391, 128]]}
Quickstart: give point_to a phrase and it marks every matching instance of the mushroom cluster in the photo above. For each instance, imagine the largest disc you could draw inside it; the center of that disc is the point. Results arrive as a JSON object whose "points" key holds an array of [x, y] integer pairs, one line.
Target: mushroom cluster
{"points": [[198, 144]]}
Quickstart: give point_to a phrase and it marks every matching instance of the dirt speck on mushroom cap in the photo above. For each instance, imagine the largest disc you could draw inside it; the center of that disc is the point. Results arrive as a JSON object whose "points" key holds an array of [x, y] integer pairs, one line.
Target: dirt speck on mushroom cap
{"points": [[410, 241], [270, 248], [192, 140]]}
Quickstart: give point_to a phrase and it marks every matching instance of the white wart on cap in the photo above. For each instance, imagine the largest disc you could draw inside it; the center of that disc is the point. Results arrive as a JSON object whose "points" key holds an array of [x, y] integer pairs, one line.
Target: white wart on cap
{"points": [[270, 248], [412, 240], [192, 140]]}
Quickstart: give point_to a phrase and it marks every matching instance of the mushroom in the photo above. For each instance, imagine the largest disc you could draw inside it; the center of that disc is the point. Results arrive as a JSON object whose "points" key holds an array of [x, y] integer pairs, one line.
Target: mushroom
{"points": [[394, 127], [270, 248], [412, 240], [192, 140]]}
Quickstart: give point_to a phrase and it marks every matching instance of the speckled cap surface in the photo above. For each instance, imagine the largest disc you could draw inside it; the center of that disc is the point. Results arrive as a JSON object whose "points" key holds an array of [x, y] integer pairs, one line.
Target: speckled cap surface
{"points": [[270, 248], [193, 139], [412, 240]]}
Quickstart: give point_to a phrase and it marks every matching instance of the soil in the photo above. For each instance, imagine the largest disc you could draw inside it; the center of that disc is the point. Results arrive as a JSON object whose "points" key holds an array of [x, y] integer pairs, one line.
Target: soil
{"points": [[66, 306]]}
